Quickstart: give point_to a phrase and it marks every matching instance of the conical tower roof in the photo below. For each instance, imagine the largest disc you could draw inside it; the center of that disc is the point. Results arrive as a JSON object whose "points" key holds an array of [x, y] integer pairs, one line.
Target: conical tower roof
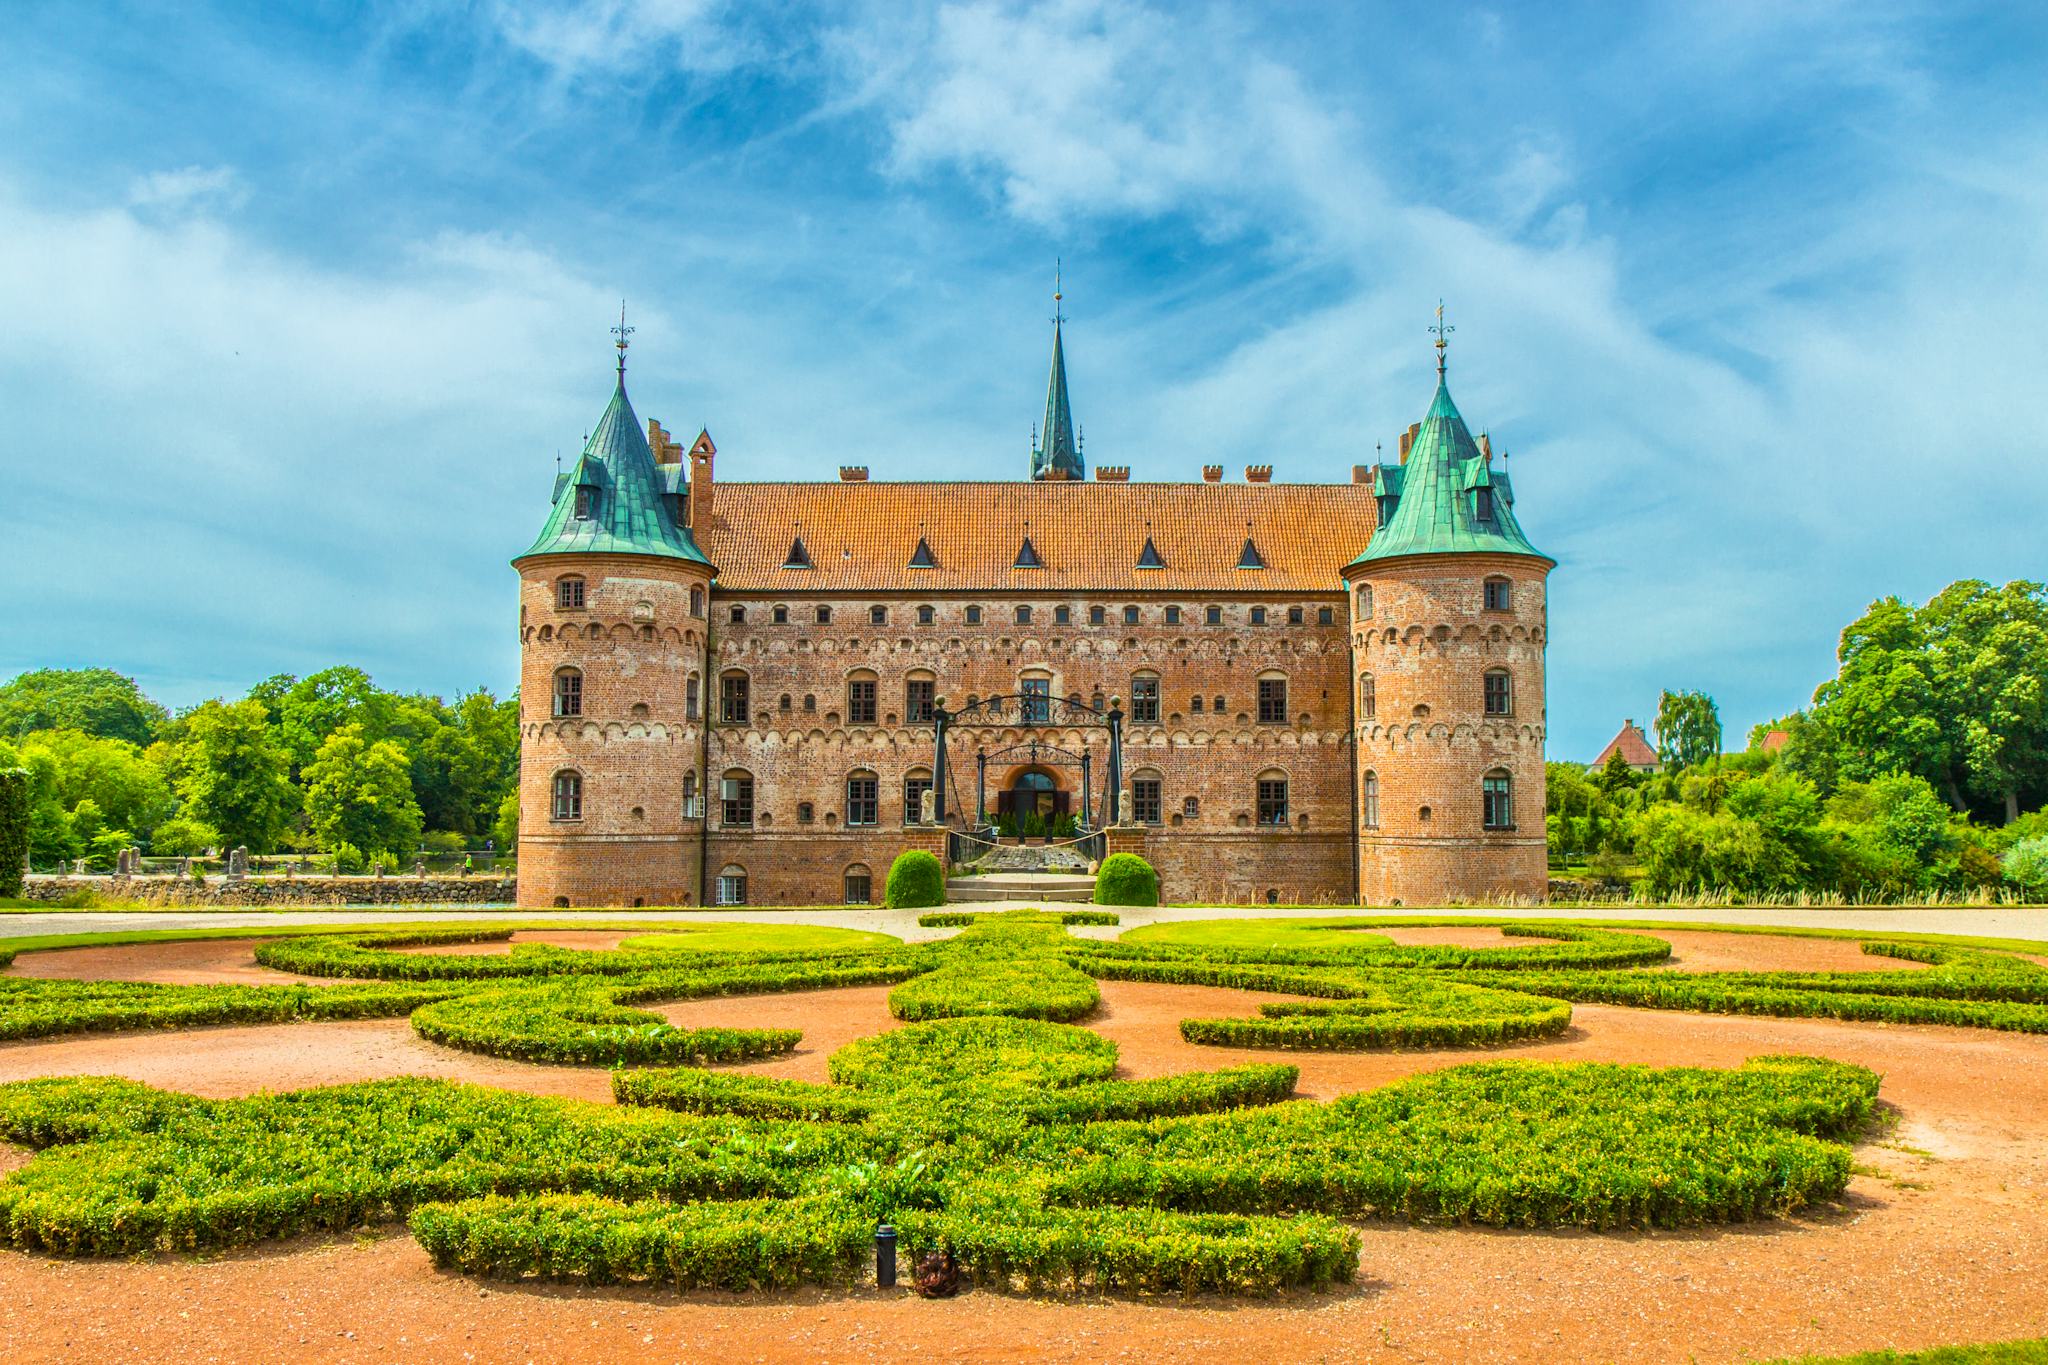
{"points": [[627, 515], [1057, 457], [1445, 488]]}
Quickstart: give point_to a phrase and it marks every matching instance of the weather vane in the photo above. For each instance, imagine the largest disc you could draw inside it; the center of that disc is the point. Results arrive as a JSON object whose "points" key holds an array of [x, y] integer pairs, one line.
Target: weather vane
{"points": [[1443, 331], [622, 331], [1058, 289]]}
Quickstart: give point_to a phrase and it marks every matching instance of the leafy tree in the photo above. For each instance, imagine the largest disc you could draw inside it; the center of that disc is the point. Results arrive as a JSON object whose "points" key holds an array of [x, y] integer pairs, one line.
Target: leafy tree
{"points": [[2026, 865], [180, 836], [1688, 729], [505, 830], [233, 774], [360, 793], [116, 775], [1765, 837], [310, 709], [1616, 777], [1898, 835], [98, 701], [16, 792]]}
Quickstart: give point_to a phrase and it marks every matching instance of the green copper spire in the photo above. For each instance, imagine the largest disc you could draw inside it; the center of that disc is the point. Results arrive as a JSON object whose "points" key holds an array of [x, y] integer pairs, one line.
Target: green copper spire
{"points": [[1057, 456], [1447, 497], [611, 501]]}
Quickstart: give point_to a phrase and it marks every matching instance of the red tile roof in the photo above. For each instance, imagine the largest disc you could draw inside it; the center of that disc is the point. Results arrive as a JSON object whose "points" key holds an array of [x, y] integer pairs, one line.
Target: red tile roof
{"points": [[1089, 536], [1635, 749]]}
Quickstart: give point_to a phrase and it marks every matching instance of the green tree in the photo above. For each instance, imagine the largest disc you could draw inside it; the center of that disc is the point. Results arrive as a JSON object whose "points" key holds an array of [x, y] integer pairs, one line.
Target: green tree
{"points": [[1898, 834], [97, 701], [115, 774], [360, 793], [233, 774], [310, 709], [2026, 865], [17, 789], [1688, 729], [505, 829]]}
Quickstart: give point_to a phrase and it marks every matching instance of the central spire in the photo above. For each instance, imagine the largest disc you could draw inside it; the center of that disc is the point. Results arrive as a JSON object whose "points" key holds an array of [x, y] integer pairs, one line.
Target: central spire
{"points": [[1057, 456], [622, 331]]}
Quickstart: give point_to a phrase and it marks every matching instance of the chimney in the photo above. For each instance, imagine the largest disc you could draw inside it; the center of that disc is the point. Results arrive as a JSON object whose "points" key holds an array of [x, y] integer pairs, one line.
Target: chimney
{"points": [[1361, 473], [1258, 473], [1212, 473], [1408, 439], [702, 452], [853, 473], [1112, 473], [666, 451]]}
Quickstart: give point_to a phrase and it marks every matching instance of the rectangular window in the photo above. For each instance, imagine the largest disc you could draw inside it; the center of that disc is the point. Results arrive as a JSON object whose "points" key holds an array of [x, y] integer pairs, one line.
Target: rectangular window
{"points": [[1191, 806], [1497, 695], [1258, 616], [1035, 705], [1173, 616], [690, 690], [1482, 503], [1023, 616], [914, 789], [569, 592], [1272, 800], [925, 616], [1130, 616], [917, 701], [860, 702], [1294, 616], [1272, 701], [732, 888], [780, 616], [1326, 616], [1145, 701], [1368, 697], [1097, 616], [863, 801], [1145, 800], [1369, 801], [974, 616], [732, 699], [1497, 800], [1212, 616], [739, 616], [1063, 616], [1197, 706], [824, 616], [568, 694], [805, 813], [1499, 594], [736, 801], [568, 797], [878, 616], [585, 504], [690, 811], [859, 888]]}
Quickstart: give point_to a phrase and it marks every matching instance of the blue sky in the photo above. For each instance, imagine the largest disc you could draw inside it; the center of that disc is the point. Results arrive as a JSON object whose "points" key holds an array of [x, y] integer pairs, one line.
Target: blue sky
{"points": [[299, 303]]}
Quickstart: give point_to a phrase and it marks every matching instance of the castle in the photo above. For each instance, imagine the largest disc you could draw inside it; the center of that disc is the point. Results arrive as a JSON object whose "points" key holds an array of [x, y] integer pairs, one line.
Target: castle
{"points": [[738, 692]]}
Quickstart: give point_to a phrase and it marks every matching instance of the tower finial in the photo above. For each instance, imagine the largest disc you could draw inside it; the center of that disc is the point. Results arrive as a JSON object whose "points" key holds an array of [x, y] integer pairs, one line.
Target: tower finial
{"points": [[1443, 332], [622, 331], [1058, 290]]}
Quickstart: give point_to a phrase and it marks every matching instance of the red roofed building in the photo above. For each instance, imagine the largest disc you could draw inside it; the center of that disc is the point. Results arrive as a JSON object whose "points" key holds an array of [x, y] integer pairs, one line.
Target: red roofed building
{"points": [[1634, 748]]}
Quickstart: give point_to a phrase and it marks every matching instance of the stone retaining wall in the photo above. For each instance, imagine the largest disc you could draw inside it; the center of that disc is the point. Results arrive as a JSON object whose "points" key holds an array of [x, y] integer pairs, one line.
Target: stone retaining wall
{"points": [[281, 891]]}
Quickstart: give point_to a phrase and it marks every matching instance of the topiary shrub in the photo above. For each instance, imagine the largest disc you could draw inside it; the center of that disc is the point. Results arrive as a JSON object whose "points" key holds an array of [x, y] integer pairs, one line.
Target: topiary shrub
{"points": [[14, 802], [1126, 879], [915, 880]]}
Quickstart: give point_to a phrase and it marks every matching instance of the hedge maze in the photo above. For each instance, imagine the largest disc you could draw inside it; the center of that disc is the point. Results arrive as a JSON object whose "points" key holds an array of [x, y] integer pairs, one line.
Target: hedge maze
{"points": [[991, 1124]]}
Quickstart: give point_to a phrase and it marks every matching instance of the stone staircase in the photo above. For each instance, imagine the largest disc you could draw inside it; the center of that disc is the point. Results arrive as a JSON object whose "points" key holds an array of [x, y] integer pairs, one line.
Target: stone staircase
{"points": [[1025, 872]]}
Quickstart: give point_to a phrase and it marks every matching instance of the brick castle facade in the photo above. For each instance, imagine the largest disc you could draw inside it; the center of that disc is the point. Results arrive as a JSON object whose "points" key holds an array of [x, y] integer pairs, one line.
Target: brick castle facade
{"points": [[1328, 693]]}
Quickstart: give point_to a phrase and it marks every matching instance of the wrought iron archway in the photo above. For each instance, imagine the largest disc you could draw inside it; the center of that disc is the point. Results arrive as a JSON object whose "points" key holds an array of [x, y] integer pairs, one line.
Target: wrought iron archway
{"points": [[1027, 711]]}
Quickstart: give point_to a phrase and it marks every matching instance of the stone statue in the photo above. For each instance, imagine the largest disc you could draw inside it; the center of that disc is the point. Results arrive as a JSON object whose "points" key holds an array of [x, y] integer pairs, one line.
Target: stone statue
{"points": [[78, 867], [238, 863], [121, 863], [419, 869], [927, 806], [184, 867], [1123, 806]]}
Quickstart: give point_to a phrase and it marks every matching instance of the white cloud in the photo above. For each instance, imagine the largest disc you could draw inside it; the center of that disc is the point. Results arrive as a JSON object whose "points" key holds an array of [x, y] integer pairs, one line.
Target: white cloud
{"points": [[596, 37], [191, 189]]}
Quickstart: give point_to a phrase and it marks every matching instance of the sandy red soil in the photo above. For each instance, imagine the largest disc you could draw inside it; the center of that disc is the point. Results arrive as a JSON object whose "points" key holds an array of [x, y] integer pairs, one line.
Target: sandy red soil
{"points": [[1946, 1240]]}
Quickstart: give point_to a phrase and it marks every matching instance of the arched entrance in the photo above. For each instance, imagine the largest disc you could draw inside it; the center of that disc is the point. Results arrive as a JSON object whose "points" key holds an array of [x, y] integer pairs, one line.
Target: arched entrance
{"points": [[1034, 791]]}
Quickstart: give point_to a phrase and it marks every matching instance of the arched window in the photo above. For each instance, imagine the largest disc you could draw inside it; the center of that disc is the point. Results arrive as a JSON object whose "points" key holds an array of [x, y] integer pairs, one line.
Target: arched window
{"points": [[859, 885], [736, 799], [926, 616], [1369, 800], [1148, 806], [690, 811], [1500, 595], [1365, 601], [916, 783], [1500, 695], [569, 592], [863, 799], [920, 693], [568, 691], [1270, 792], [733, 701], [1197, 708], [1497, 800], [860, 698], [782, 702], [1272, 699], [1023, 614], [691, 687], [1145, 699], [1368, 697], [568, 796], [732, 885]]}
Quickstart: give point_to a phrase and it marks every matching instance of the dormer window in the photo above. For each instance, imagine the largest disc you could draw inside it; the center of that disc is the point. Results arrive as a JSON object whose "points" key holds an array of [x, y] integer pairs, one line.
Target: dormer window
{"points": [[1482, 503], [1027, 556], [921, 558], [1249, 557], [586, 502], [798, 557], [1148, 558]]}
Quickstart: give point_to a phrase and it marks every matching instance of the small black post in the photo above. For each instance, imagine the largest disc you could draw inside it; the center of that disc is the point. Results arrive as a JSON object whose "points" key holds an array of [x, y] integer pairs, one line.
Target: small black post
{"points": [[885, 1256], [939, 719]]}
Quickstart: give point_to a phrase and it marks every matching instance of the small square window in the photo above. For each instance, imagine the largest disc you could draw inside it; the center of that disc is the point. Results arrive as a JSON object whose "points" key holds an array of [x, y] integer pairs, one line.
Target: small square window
{"points": [[739, 616], [805, 812], [1294, 616], [1173, 616], [1097, 616], [1258, 616], [878, 616], [974, 616], [569, 592], [1062, 616], [1326, 616], [780, 616], [926, 616], [1499, 595], [1130, 616], [1212, 616], [1023, 616], [824, 616]]}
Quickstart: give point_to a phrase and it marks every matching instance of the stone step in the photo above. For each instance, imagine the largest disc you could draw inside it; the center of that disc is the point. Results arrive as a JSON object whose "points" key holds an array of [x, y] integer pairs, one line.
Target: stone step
{"points": [[989, 889]]}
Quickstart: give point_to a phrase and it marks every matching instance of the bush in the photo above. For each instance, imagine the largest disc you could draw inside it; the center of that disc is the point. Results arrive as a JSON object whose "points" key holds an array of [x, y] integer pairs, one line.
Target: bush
{"points": [[754, 1097], [1029, 987], [36, 1008], [1126, 879], [916, 880], [961, 919], [2026, 865], [348, 859], [15, 792]]}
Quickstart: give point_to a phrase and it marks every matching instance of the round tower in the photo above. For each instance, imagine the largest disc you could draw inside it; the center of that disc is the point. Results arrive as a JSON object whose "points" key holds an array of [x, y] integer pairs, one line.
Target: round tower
{"points": [[1448, 629], [613, 606]]}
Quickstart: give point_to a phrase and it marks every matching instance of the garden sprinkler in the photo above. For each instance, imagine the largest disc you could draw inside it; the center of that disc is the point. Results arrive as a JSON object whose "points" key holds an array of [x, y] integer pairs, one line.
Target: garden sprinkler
{"points": [[885, 1256]]}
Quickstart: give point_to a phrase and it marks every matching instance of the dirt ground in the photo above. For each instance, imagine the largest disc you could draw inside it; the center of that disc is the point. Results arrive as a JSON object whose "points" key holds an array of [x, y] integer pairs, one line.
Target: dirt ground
{"points": [[1944, 1239]]}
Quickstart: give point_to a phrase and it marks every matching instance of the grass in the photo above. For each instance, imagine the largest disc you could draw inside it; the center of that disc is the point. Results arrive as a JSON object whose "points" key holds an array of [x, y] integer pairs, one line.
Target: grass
{"points": [[2030, 1352], [750, 938]]}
